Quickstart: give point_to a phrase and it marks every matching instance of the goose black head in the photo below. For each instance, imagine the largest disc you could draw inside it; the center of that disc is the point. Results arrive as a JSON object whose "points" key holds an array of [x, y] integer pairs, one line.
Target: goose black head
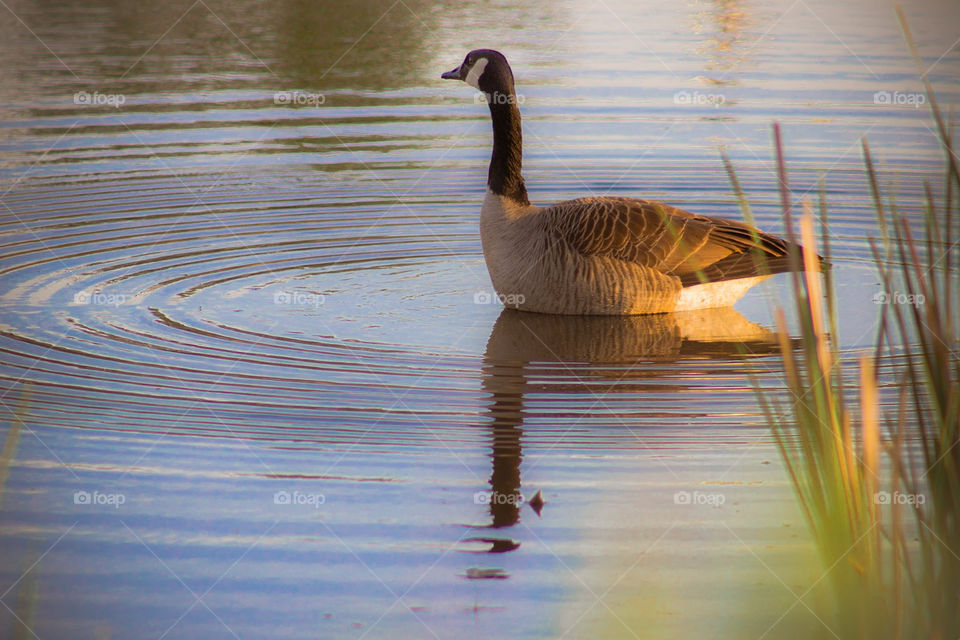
{"points": [[486, 70]]}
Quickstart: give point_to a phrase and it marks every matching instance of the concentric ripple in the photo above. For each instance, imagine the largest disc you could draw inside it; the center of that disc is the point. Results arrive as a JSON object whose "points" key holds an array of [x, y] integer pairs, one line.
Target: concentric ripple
{"points": [[280, 297]]}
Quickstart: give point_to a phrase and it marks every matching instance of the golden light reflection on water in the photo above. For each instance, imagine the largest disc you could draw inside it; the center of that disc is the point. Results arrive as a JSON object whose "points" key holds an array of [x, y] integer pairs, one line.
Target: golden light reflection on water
{"points": [[725, 28], [202, 199]]}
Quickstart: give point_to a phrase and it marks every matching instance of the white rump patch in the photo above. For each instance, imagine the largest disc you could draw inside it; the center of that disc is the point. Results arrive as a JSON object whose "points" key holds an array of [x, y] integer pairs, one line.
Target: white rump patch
{"points": [[473, 77], [715, 294]]}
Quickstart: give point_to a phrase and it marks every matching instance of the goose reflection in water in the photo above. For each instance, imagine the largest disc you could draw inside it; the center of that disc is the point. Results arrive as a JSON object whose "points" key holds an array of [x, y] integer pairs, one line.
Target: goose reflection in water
{"points": [[527, 350]]}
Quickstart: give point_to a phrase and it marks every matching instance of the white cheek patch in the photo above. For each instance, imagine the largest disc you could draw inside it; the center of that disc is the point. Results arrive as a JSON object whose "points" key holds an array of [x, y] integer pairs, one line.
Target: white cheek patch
{"points": [[473, 77]]}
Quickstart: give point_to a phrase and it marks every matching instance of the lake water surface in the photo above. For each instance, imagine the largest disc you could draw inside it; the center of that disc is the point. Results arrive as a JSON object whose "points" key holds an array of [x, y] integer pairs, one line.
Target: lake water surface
{"points": [[255, 384]]}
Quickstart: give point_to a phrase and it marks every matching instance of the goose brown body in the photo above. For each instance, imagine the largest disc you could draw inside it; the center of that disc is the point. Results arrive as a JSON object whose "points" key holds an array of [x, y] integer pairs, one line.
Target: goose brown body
{"points": [[602, 255]]}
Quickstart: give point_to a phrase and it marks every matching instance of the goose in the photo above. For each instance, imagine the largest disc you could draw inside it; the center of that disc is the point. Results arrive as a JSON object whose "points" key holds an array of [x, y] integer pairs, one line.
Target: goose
{"points": [[602, 255]]}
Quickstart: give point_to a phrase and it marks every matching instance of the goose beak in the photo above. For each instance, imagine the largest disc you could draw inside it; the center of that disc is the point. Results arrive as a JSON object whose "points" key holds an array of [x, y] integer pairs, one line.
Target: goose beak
{"points": [[451, 75]]}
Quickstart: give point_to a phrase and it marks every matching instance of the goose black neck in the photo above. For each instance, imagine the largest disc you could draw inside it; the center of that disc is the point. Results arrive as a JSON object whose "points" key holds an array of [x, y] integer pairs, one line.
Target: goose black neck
{"points": [[506, 162]]}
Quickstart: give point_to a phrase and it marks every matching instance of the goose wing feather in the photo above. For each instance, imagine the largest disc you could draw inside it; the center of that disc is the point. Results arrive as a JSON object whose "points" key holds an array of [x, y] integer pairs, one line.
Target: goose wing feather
{"points": [[691, 247]]}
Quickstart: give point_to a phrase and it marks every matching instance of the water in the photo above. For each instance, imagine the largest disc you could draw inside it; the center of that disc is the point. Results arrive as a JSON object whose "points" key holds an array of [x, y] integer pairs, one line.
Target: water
{"points": [[254, 382]]}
